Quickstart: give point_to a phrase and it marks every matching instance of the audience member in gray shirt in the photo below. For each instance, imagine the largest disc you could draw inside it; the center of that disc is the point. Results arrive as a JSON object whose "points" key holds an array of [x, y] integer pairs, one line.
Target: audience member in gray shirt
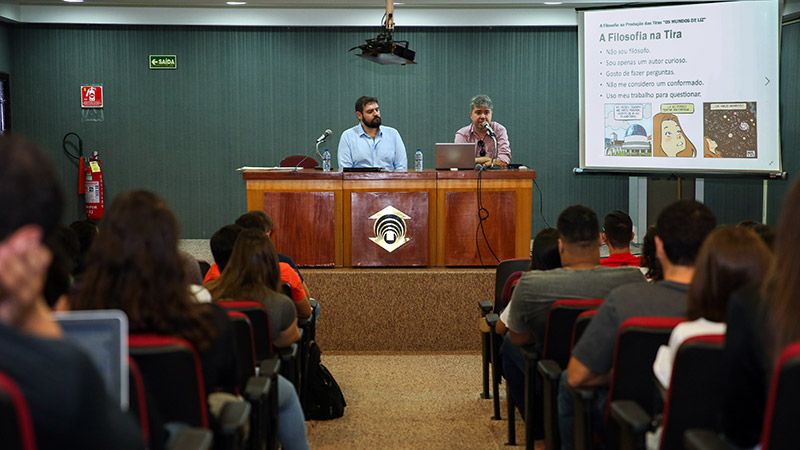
{"points": [[681, 229]]}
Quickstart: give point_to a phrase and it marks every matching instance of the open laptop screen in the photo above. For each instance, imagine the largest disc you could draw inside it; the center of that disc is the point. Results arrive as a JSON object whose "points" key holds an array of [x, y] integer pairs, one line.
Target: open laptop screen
{"points": [[103, 335], [455, 156]]}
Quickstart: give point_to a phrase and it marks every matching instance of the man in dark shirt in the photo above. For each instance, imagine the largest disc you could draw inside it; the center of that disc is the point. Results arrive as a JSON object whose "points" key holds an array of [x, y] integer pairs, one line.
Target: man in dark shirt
{"points": [[58, 381], [681, 229]]}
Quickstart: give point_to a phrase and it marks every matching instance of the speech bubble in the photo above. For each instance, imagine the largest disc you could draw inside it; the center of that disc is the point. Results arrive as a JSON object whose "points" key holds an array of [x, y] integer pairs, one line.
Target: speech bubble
{"points": [[728, 106], [628, 112], [678, 108]]}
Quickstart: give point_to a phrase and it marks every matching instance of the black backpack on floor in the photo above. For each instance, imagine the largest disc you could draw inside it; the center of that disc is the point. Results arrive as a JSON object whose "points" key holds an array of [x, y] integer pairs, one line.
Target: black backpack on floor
{"points": [[324, 399]]}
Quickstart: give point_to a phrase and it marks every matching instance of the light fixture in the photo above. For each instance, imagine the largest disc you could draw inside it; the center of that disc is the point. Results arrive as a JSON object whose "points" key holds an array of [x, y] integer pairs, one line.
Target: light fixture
{"points": [[553, 3], [236, 3], [383, 49], [73, 1]]}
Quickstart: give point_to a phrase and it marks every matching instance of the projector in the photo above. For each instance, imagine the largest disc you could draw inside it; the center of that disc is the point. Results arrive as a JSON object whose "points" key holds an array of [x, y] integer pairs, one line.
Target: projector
{"points": [[383, 50]]}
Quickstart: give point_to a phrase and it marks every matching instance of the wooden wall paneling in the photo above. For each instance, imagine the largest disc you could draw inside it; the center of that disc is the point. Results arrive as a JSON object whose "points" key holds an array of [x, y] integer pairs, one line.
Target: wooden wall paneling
{"points": [[461, 222], [304, 226]]}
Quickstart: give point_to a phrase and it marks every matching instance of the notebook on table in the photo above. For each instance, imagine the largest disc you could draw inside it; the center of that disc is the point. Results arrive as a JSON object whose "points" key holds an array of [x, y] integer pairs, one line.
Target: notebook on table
{"points": [[455, 156], [103, 335]]}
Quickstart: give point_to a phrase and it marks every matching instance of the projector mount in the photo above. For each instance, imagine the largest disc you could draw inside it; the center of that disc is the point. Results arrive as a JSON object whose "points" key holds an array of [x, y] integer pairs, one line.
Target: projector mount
{"points": [[383, 49]]}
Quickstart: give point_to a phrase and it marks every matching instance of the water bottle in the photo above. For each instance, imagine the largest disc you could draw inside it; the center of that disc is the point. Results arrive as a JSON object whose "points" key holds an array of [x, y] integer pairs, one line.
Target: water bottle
{"points": [[418, 160], [326, 161]]}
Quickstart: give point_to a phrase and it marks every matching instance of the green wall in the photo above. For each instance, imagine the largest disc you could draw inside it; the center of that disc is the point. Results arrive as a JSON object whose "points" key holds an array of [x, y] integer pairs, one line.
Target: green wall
{"points": [[249, 96]]}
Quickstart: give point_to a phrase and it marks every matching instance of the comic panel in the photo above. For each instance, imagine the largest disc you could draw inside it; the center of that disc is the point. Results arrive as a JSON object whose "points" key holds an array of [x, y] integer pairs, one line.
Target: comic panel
{"points": [[628, 129], [730, 130]]}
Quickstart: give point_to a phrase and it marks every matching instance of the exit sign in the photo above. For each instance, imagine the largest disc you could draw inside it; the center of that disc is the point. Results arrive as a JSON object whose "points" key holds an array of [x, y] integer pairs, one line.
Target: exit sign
{"points": [[163, 62]]}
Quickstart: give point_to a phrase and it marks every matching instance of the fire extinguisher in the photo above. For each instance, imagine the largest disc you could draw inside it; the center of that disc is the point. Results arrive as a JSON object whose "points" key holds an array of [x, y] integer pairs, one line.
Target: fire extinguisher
{"points": [[90, 179], [95, 204]]}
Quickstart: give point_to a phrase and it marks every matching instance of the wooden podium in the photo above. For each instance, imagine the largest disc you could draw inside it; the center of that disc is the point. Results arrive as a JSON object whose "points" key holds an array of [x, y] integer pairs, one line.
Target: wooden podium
{"points": [[396, 219]]}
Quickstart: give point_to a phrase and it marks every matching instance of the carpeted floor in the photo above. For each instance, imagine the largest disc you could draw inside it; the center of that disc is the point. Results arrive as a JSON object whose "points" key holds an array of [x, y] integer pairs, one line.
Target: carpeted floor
{"points": [[411, 401]]}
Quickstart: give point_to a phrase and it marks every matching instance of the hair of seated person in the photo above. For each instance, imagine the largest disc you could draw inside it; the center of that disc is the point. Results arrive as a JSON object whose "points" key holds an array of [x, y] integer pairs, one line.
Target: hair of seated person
{"points": [[781, 288], [545, 255], [134, 265], [59, 274], [252, 269], [578, 225], [222, 244], [730, 258], [86, 230], [618, 228], [682, 227], [251, 220], [268, 223], [648, 257], [765, 232], [29, 189], [192, 268]]}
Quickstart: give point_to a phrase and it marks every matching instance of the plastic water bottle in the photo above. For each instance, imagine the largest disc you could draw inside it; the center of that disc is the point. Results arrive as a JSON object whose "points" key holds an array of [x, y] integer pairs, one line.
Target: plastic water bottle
{"points": [[326, 161], [418, 160]]}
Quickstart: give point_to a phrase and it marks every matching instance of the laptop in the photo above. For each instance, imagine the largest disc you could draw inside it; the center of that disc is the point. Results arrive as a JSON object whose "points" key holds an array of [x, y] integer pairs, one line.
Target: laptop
{"points": [[455, 156], [103, 335]]}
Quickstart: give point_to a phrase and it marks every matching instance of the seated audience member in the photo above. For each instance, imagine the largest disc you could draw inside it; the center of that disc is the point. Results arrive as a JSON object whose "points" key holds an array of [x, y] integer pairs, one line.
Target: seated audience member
{"points": [[544, 256], [134, 265], [288, 274], [252, 273], [269, 228], [681, 228], [765, 232], [58, 381], [649, 262], [86, 230], [729, 259], [221, 247], [581, 276], [761, 322], [618, 234], [63, 245]]}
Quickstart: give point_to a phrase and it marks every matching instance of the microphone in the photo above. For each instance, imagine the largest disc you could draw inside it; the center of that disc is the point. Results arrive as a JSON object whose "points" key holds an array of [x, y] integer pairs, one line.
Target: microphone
{"points": [[489, 129], [324, 136]]}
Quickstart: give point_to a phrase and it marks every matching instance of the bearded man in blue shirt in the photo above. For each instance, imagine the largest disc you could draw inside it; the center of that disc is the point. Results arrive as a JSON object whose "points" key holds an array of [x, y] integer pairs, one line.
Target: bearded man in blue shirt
{"points": [[370, 144]]}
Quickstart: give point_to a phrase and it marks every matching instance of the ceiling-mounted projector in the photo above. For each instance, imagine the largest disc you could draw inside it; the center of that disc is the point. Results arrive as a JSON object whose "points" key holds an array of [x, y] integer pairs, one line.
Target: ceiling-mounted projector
{"points": [[383, 49]]}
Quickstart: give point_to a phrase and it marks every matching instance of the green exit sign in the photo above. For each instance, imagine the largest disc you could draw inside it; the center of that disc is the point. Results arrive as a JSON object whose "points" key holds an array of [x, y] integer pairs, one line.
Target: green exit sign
{"points": [[163, 62]]}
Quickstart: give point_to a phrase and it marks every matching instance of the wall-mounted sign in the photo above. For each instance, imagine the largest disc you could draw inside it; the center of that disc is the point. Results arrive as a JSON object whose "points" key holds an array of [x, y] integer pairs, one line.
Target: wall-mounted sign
{"points": [[91, 96], [163, 62]]}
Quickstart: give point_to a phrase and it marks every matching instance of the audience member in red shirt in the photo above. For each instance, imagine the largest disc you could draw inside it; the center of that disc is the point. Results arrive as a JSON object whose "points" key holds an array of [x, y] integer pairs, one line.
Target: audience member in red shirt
{"points": [[618, 234]]}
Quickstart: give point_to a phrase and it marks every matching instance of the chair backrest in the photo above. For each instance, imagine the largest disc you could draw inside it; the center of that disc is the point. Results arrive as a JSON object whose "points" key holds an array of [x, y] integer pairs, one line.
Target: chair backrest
{"points": [[581, 323], [783, 403], [138, 398], [171, 368], [16, 425], [204, 266], [305, 161], [287, 289], [245, 344], [504, 270], [560, 321], [694, 399], [508, 289], [259, 319], [638, 340]]}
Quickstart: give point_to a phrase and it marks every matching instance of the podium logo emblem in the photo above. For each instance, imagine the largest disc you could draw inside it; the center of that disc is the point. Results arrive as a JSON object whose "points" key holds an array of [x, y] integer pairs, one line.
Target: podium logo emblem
{"points": [[390, 228]]}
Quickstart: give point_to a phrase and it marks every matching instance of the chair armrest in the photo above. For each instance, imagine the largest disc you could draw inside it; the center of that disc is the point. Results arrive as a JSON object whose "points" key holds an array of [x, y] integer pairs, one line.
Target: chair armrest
{"points": [[232, 424], [530, 353], [257, 388], [485, 306], [313, 302], [269, 367], [632, 423], [287, 352], [550, 370], [491, 320], [701, 439], [193, 439]]}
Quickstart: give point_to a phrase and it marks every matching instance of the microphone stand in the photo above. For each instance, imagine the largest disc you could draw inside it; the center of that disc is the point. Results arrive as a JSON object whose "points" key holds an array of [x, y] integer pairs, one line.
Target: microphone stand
{"points": [[494, 153]]}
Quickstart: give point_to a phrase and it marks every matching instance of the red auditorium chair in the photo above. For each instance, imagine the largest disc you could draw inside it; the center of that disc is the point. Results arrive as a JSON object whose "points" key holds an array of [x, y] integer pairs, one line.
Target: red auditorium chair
{"points": [[780, 419], [305, 162], [693, 400], [171, 370], [16, 425], [557, 347], [638, 341], [504, 270]]}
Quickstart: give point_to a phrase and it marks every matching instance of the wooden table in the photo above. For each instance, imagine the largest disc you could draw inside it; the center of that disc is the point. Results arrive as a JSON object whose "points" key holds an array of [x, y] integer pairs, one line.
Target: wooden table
{"points": [[390, 219]]}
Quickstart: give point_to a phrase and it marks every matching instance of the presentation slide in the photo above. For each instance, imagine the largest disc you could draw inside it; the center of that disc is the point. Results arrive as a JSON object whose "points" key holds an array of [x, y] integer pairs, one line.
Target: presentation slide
{"points": [[689, 88]]}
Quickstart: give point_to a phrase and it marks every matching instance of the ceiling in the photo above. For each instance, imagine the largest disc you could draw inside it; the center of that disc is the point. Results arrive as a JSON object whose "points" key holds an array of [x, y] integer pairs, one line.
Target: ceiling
{"points": [[329, 4]]}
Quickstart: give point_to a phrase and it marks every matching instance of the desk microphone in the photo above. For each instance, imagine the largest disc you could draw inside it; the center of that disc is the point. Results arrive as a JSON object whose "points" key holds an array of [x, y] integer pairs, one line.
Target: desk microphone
{"points": [[324, 136], [489, 129]]}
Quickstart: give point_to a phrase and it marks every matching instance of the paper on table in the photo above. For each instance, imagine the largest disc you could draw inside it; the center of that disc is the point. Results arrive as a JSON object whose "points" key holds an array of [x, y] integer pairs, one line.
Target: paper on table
{"points": [[243, 168]]}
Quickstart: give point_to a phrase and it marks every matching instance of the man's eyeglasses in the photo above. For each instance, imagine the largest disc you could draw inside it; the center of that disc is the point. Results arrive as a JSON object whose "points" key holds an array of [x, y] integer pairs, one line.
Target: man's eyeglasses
{"points": [[481, 144]]}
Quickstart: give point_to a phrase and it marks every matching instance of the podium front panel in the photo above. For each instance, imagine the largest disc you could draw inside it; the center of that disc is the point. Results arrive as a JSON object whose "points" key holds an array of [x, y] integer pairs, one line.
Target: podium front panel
{"points": [[304, 226], [389, 229], [461, 227]]}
